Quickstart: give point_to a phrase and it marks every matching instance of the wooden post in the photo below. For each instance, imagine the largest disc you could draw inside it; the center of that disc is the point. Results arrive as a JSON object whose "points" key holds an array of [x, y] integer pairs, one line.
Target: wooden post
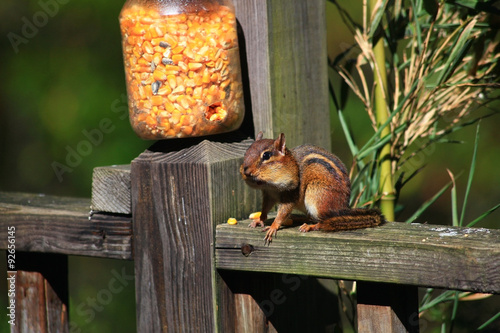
{"points": [[384, 307], [283, 46], [180, 190], [285, 72], [266, 302], [41, 293], [111, 189]]}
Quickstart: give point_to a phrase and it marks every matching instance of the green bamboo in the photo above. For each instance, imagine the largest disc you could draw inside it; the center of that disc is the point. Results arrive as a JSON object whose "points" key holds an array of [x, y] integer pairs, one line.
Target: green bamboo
{"points": [[384, 158]]}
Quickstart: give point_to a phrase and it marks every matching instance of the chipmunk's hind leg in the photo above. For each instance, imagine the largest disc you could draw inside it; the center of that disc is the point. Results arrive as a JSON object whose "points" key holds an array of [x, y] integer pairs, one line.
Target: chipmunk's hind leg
{"points": [[308, 227], [314, 207]]}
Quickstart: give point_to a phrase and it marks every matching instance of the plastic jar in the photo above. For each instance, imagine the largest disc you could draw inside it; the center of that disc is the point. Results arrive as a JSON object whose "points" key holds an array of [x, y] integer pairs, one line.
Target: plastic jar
{"points": [[182, 67]]}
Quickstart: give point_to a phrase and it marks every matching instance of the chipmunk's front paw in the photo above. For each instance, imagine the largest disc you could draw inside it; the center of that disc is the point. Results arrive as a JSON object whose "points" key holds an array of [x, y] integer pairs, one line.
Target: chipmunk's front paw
{"points": [[257, 220], [256, 223], [271, 232]]}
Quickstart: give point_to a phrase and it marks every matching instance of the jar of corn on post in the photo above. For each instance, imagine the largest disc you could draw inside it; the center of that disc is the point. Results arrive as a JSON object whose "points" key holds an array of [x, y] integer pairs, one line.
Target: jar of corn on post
{"points": [[182, 67]]}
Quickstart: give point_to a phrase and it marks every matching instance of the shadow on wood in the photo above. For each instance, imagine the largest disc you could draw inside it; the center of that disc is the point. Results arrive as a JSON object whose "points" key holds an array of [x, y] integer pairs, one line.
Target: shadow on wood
{"points": [[41, 293], [287, 302], [395, 307]]}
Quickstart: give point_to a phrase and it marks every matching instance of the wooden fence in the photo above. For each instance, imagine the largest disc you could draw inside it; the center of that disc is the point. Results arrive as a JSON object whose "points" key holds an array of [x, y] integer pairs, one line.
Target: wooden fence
{"points": [[193, 272], [225, 278]]}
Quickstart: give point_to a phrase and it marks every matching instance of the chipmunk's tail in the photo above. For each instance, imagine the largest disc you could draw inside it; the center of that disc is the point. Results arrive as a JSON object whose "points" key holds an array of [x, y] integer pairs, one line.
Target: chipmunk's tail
{"points": [[352, 218]]}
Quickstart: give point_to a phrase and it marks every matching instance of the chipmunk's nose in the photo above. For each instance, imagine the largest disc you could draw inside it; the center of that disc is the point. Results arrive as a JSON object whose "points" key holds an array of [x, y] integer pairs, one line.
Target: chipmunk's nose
{"points": [[244, 170]]}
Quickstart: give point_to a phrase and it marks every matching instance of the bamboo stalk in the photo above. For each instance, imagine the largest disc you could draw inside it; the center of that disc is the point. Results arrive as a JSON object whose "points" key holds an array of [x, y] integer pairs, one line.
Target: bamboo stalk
{"points": [[384, 158]]}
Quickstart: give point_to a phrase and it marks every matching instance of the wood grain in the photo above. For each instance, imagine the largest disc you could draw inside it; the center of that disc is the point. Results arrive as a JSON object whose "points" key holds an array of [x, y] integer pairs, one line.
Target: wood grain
{"points": [[385, 307], [111, 189], [299, 72], [41, 293], [180, 189], [52, 224], [285, 52], [423, 255], [253, 41], [284, 302]]}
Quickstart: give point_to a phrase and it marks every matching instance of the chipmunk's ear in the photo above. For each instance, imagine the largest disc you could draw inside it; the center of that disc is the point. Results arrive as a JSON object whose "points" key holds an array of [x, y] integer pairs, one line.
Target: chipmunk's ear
{"points": [[279, 144], [259, 136]]}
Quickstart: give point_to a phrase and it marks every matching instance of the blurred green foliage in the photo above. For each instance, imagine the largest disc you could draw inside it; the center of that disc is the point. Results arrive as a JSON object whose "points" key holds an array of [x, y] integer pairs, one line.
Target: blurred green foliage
{"points": [[66, 76], [63, 75], [456, 154], [62, 70]]}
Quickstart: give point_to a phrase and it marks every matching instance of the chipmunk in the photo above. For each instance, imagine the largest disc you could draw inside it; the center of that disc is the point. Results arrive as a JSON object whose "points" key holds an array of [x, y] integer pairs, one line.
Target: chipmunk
{"points": [[307, 178]]}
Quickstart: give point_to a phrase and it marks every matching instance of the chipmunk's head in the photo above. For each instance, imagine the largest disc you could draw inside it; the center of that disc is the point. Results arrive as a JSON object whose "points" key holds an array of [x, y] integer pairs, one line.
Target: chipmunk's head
{"points": [[268, 164]]}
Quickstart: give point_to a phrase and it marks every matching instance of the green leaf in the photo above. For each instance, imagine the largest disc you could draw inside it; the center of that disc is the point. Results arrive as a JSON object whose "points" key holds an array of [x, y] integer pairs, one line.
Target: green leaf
{"points": [[489, 321], [404, 181], [366, 150], [471, 176], [347, 133], [482, 216], [455, 307], [345, 128], [359, 178], [446, 296], [417, 29], [478, 5], [375, 137], [426, 204], [456, 55], [377, 18], [454, 210]]}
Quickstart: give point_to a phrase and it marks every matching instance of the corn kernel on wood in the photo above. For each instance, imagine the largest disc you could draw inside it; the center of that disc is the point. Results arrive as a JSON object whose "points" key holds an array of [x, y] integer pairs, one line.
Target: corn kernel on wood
{"points": [[182, 64], [255, 215]]}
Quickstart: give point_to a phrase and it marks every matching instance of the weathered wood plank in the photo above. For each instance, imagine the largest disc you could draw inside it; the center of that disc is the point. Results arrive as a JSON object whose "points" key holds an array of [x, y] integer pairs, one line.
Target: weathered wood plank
{"points": [[111, 189], [252, 17], [179, 187], [52, 224], [423, 255], [285, 302], [388, 308], [285, 44], [41, 293]]}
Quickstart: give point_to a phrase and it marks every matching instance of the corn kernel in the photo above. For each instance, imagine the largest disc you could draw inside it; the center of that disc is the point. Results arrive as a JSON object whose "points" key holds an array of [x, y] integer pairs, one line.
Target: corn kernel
{"points": [[255, 215], [156, 100], [176, 69], [195, 66], [159, 75], [148, 48]]}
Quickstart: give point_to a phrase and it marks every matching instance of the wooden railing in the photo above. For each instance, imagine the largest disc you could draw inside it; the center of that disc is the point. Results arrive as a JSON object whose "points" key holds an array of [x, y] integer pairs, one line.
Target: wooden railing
{"points": [[193, 272], [421, 255], [227, 279]]}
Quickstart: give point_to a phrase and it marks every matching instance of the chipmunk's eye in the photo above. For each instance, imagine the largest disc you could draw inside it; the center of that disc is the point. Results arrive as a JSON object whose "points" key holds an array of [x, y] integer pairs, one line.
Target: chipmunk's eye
{"points": [[266, 155]]}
